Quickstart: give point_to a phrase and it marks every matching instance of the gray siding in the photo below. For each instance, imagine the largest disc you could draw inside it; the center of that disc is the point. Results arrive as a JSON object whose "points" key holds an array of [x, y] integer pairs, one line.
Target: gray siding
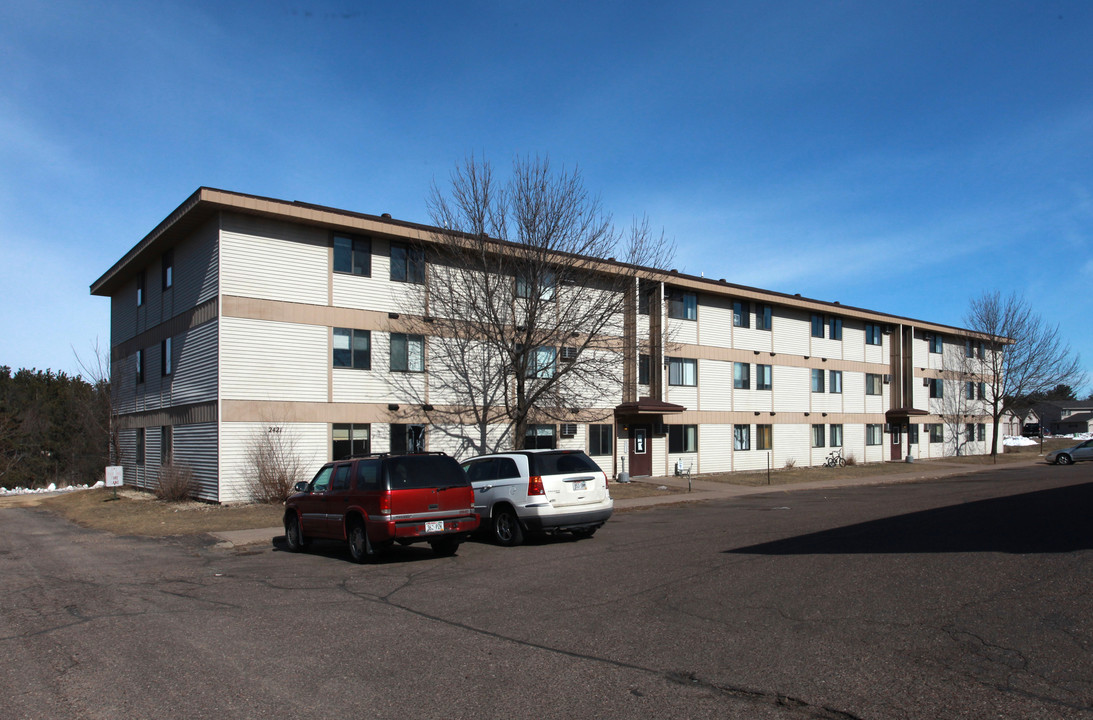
{"points": [[195, 447]]}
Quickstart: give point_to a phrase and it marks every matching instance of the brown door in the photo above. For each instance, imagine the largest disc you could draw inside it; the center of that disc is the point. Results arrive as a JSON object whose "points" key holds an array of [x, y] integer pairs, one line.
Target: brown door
{"points": [[897, 441], [641, 456]]}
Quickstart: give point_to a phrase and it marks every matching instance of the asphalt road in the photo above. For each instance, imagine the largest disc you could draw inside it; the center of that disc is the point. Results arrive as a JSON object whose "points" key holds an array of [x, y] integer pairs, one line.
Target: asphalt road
{"points": [[963, 598]]}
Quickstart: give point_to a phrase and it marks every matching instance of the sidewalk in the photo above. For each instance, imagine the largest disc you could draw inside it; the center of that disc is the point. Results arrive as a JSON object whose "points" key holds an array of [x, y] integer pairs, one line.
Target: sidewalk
{"points": [[703, 490]]}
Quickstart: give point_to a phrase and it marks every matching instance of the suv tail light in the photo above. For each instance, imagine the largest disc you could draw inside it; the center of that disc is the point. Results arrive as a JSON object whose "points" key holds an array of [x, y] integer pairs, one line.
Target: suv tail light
{"points": [[385, 503], [606, 481], [535, 485]]}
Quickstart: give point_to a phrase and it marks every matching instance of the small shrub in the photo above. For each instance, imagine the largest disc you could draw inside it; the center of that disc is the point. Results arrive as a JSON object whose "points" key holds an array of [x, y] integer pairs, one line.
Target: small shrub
{"points": [[176, 483], [790, 463], [274, 465], [851, 460]]}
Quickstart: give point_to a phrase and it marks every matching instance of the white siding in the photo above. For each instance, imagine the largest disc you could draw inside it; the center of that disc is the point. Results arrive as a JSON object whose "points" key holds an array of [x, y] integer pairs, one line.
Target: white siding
{"points": [[274, 261], [263, 360], [791, 388], [715, 321], [715, 381], [791, 443], [790, 331], [681, 332], [715, 448], [307, 442]]}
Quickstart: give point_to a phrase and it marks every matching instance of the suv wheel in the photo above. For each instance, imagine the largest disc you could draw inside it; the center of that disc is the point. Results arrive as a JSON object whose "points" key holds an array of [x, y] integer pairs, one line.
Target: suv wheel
{"points": [[294, 535], [506, 527], [359, 547]]}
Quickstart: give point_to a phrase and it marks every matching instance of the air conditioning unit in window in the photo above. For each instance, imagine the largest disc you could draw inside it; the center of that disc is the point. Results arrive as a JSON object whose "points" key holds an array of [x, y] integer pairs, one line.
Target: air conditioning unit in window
{"points": [[569, 429], [569, 354], [887, 379]]}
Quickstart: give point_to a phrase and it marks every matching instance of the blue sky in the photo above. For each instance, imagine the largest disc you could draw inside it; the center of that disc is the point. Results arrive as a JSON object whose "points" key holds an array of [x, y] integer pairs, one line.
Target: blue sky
{"points": [[903, 157]]}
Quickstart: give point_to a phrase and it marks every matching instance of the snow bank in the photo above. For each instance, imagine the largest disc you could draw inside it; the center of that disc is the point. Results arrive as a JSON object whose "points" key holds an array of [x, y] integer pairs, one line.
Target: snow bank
{"points": [[1018, 441], [51, 489]]}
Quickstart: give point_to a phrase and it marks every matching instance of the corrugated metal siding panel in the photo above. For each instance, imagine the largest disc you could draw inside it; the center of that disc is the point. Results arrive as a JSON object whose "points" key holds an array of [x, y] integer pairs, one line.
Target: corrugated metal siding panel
{"points": [[715, 321], [274, 261], [853, 340], [124, 384], [790, 331], [195, 270], [791, 443], [131, 473], [263, 360], [308, 443], [854, 398], [123, 313], [853, 441], [715, 382], [791, 388], [715, 448], [195, 352], [685, 396], [195, 447], [683, 332]]}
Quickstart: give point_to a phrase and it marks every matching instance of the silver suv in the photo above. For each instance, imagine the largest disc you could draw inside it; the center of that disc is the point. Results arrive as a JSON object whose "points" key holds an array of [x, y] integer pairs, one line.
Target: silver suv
{"points": [[538, 491]]}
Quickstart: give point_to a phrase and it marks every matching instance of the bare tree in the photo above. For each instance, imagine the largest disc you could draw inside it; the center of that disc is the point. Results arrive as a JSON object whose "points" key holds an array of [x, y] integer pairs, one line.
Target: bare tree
{"points": [[524, 302], [1022, 354], [274, 463], [102, 412]]}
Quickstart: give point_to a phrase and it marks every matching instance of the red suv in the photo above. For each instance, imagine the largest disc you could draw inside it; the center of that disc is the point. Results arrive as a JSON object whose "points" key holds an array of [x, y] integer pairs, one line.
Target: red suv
{"points": [[373, 502]]}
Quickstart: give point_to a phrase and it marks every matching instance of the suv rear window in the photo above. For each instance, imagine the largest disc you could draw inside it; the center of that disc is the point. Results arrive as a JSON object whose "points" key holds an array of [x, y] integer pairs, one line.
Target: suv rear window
{"points": [[561, 463], [424, 471]]}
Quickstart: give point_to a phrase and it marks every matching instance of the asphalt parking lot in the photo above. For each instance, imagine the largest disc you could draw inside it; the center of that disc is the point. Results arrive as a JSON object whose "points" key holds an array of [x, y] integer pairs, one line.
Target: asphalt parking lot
{"points": [[963, 597]]}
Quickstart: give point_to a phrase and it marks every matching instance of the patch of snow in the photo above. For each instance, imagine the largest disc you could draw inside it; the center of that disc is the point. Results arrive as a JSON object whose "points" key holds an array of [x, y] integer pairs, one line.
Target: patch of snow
{"points": [[1018, 441], [52, 488]]}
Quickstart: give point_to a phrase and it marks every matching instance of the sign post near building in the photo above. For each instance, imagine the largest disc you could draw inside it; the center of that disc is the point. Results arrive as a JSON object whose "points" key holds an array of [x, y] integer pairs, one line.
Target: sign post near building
{"points": [[114, 475]]}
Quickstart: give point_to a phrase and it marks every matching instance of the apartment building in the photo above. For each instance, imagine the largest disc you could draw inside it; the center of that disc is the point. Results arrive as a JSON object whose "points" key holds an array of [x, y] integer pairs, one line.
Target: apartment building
{"points": [[240, 317]]}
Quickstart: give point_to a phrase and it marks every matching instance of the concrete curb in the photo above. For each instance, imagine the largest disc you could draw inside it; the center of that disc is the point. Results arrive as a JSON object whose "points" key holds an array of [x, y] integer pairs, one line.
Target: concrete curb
{"points": [[705, 490]]}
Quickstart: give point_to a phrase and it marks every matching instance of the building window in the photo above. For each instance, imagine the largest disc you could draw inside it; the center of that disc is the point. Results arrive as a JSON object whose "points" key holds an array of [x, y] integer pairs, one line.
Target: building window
{"points": [[140, 366], [407, 352], [165, 367], [140, 446], [872, 334], [351, 441], [836, 384], [873, 434], [411, 438], [140, 288], [936, 343], [817, 380], [969, 391], [741, 314], [763, 377], [969, 348], [682, 438], [643, 369], [525, 286], [969, 432], [741, 437], [682, 371], [835, 328], [817, 436], [168, 267], [599, 440], [407, 264], [352, 255], [981, 432], [763, 316], [352, 348], [872, 384], [644, 299], [764, 437], [817, 325], [835, 434], [165, 445], [912, 434], [936, 433], [539, 437], [937, 388], [981, 350], [542, 362], [682, 305], [981, 391], [741, 376]]}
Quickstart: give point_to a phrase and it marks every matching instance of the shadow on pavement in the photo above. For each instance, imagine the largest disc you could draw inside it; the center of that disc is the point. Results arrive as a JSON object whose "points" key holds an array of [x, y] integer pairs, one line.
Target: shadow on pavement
{"points": [[1045, 521]]}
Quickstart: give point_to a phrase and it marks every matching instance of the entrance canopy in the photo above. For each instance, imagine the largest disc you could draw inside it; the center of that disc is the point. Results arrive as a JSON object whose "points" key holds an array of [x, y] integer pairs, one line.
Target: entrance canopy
{"points": [[646, 407]]}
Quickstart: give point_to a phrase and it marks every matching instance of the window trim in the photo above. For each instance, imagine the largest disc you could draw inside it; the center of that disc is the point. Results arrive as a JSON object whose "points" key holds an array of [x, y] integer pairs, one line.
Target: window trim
{"points": [[363, 269], [819, 435], [682, 439], [683, 302], [412, 270], [741, 438], [764, 437], [405, 356], [874, 384], [816, 384], [831, 433], [764, 317], [598, 430], [764, 377], [835, 381], [350, 428], [835, 327], [741, 376], [741, 313], [874, 434], [817, 329], [353, 334], [676, 368]]}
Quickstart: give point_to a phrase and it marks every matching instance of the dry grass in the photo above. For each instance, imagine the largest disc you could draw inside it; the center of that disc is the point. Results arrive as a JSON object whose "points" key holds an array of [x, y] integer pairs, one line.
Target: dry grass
{"points": [[138, 513], [638, 489]]}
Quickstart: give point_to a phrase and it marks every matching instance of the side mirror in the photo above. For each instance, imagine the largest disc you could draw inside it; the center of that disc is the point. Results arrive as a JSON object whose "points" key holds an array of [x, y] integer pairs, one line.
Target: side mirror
{"points": [[300, 487]]}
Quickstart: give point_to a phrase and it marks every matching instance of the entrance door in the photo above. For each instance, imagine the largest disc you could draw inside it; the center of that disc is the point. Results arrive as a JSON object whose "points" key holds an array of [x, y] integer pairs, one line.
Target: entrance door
{"points": [[897, 442], [641, 457]]}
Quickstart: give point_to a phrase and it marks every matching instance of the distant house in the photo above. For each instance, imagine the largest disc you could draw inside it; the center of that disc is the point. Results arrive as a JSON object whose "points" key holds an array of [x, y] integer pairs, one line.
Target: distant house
{"points": [[1077, 423], [1014, 420], [1054, 413]]}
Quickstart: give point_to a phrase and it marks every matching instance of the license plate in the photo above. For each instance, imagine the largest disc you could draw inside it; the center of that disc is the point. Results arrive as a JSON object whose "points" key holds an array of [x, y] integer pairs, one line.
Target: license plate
{"points": [[434, 526], [580, 485]]}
